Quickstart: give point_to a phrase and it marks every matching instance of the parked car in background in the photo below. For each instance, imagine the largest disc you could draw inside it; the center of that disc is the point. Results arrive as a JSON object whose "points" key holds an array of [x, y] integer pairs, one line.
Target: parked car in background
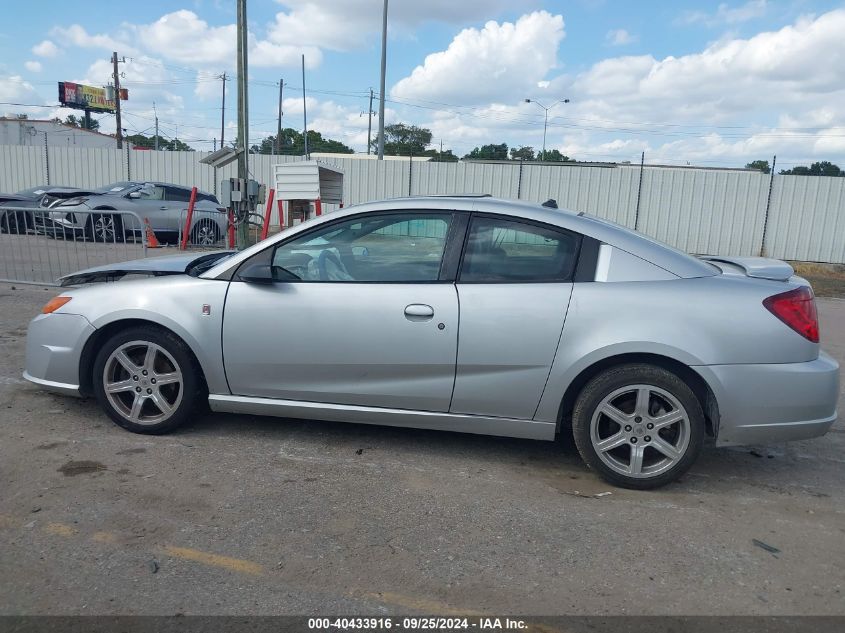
{"points": [[18, 210], [457, 313], [100, 215]]}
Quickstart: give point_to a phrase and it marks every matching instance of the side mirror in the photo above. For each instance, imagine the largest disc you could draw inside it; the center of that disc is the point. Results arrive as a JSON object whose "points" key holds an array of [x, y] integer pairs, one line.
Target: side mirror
{"points": [[135, 195], [257, 274]]}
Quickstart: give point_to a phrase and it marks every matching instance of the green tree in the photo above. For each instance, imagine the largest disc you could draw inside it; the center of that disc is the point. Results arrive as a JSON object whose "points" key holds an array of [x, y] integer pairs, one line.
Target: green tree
{"points": [[178, 146], [79, 121], [404, 140], [489, 152], [293, 144], [760, 165], [167, 145], [523, 153], [554, 156], [446, 156], [822, 168]]}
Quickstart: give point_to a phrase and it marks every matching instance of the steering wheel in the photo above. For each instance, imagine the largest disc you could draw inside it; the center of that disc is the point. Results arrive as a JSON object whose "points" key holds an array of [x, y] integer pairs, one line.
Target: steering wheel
{"points": [[328, 260]]}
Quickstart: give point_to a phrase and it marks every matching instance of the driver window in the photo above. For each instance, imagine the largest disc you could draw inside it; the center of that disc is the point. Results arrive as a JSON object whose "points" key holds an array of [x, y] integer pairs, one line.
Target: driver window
{"points": [[397, 248], [151, 192]]}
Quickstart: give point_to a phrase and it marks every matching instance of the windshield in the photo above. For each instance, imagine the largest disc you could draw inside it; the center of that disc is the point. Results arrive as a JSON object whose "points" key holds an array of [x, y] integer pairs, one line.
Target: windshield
{"points": [[117, 187]]}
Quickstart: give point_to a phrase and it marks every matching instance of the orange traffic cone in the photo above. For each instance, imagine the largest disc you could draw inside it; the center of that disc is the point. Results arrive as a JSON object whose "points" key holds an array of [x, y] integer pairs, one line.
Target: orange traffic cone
{"points": [[152, 242]]}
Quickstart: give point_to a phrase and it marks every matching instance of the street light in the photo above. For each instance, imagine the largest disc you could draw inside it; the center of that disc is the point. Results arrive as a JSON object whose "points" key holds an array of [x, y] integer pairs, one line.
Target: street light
{"points": [[546, 122]]}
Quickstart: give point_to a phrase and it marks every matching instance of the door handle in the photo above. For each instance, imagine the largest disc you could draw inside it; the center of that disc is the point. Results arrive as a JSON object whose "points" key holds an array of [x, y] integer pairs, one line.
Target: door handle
{"points": [[419, 310]]}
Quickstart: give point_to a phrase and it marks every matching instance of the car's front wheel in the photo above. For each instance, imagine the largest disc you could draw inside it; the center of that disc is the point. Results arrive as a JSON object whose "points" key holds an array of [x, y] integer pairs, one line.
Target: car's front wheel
{"points": [[639, 426], [105, 227], [146, 380]]}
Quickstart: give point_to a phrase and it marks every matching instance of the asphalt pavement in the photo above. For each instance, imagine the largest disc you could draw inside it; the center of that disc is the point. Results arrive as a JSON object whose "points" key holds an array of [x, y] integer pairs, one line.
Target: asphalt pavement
{"points": [[245, 515]]}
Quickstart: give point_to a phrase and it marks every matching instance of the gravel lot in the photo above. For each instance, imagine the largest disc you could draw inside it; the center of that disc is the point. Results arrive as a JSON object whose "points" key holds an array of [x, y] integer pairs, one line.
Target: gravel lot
{"points": [[242, 515]]}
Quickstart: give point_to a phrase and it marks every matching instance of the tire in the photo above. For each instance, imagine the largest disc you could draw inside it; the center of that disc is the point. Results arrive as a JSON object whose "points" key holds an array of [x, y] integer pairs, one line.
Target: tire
{"points": [[205, 233], [142, 402], [618, 430], [105, 227]]}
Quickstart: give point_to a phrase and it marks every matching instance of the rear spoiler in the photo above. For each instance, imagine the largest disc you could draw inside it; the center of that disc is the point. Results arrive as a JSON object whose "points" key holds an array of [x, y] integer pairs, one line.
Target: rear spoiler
{"points": [[757, 267]]}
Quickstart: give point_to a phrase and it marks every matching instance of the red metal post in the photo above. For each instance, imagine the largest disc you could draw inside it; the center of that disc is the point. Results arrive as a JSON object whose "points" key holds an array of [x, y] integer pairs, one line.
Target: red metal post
{"points": [[231, 229], [188, 220], [318, 207], [268, 211], [281, 205]]}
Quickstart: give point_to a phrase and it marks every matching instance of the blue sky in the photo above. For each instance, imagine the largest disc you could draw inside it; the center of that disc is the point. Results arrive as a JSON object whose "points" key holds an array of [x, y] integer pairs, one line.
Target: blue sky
{"points": [[712, 83]]}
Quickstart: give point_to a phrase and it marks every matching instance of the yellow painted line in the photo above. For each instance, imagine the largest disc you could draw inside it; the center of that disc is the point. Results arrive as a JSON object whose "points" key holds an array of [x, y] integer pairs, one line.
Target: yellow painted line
{"points": [[59, 529], [215, 560], [104, 537], [422, 605]]}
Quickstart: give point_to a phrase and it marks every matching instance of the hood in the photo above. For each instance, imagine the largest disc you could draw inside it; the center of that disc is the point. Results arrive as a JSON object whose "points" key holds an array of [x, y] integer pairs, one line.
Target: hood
{"points": [[183, 264], [13, 197], [757, 267]]}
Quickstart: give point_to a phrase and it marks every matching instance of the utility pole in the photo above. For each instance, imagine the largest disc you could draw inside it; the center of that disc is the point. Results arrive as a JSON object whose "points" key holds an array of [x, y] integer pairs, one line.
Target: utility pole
{"points": [[116, 78], [279, 123], [304, 110], [243, 126], [381, 94], [156, 115], [370, 123], [223, 113]]}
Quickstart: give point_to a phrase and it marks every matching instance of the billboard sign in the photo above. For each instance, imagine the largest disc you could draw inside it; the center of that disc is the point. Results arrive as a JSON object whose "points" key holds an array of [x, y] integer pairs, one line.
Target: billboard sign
{"points": [[84, 97]]}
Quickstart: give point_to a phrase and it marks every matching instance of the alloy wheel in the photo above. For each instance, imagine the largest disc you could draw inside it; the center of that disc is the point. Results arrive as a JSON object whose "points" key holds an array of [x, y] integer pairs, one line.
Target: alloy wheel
{"points": [[205, 235], [640, 431], [104, 228], [143, 382]]}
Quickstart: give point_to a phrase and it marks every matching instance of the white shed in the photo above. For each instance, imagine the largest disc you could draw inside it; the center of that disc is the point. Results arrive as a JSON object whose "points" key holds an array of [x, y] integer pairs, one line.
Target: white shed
{"points": [[308, 180]]}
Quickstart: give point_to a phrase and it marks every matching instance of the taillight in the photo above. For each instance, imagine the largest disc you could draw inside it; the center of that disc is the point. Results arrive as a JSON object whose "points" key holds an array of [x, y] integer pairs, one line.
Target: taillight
{"points": [[796, 308]]}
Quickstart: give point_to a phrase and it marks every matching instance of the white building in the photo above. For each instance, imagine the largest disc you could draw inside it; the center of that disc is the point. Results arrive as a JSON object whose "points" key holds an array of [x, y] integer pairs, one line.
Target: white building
{"points": [[32, 131]]}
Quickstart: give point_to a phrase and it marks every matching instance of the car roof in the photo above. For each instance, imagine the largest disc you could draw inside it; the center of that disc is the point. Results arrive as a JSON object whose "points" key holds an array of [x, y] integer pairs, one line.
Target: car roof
{"points": [[671, 259], [138, 183]]}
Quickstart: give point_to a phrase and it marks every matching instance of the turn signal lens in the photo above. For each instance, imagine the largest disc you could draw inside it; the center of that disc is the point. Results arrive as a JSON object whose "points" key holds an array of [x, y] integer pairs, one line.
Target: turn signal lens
{"points": [[796, 308], [54, 304]]}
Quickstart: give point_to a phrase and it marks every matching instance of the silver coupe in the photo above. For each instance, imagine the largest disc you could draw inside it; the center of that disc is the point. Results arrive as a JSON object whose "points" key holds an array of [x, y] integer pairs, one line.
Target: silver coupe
{"points": [[462, 313]]}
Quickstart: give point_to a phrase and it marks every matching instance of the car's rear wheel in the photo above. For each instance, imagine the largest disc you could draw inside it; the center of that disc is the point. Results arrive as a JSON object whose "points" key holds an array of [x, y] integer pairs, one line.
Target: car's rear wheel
{"points": [[205, 233], [639, 426], [105, 227], [146, 380]]}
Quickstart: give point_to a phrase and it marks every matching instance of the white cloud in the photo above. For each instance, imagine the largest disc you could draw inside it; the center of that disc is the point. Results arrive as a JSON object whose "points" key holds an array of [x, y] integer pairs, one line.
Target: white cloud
{"points": [[349, 24], [725, 14], [736, 100], [619, 37], [78, 36], [15, 89], [184, 36], [46, 49], [486, 64], [32, 66]]}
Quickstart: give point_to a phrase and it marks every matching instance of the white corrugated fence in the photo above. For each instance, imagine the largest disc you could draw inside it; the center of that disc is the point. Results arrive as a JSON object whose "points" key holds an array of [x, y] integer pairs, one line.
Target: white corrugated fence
{"points": [[705, 211]]}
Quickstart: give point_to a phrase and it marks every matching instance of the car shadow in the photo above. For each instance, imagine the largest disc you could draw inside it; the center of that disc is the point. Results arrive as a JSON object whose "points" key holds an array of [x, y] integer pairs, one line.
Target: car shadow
{"points": [[788, 469]]}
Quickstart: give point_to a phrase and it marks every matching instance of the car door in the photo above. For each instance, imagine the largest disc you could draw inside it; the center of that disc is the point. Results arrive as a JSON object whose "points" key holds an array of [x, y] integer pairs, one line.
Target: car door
{"points": [[148, 202], [514, 287], [176, 201], [362, 313]]}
